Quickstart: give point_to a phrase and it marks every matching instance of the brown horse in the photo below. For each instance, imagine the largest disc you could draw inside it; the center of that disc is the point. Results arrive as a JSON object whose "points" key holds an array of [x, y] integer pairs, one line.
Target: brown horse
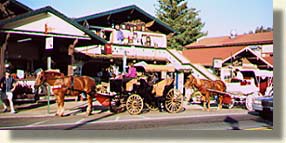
{"points": [[204, 86], [63, 85]]}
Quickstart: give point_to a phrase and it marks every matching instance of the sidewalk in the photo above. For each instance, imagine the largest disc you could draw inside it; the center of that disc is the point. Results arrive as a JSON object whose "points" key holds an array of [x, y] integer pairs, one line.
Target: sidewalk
{"points": [[41, 109]]}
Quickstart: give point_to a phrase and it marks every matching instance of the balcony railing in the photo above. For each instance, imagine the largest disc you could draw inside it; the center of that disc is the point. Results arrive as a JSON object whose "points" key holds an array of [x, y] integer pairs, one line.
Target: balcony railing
{"points": [[136, 38]]}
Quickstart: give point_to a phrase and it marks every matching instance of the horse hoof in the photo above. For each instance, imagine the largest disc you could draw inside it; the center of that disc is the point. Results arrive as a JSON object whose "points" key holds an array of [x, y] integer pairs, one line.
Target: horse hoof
{"points": [[88, 114]]}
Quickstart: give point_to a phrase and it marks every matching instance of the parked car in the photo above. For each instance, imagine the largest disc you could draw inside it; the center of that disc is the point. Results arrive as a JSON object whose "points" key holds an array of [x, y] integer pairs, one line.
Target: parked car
{"points": [[264, 106], [267, 105]]}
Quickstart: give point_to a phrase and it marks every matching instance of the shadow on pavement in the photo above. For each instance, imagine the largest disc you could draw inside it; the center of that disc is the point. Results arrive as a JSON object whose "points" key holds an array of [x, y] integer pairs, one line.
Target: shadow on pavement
{"points": [[232, 122]]}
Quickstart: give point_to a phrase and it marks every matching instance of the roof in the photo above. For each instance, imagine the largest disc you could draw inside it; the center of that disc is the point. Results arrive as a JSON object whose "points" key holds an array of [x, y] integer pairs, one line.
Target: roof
{"points": [[125, 14], [252, 56], [15, 6], [205, 56], [57, 13], [269, 59], [239, 40]]}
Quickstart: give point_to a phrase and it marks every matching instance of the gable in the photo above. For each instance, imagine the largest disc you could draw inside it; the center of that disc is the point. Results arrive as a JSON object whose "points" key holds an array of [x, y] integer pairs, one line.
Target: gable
{"points": [[126, 14], [45, 22]]}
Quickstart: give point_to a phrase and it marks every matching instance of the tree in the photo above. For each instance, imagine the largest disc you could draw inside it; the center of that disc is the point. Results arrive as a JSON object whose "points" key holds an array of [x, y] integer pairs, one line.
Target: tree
{"points": [[261, 29], [185, 21]]}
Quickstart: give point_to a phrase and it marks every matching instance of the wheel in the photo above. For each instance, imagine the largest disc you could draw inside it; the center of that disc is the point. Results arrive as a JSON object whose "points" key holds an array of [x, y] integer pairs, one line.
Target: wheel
{"points": [[228, 101], [230, 105], [249, 102], [152, 106], [174, 101], [134, 104]]}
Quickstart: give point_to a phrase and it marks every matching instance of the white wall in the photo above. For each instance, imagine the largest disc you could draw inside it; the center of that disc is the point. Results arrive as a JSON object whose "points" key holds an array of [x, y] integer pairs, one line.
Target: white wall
{"points": [[55, 25]]}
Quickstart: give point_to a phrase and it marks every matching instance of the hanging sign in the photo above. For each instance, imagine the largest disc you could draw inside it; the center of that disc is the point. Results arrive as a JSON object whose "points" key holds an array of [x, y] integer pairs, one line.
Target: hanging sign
{"points": [[49, 43]]}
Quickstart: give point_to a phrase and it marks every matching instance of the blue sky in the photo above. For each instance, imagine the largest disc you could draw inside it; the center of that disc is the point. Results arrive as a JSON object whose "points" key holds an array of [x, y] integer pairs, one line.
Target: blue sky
{"points": [[220, 16]]}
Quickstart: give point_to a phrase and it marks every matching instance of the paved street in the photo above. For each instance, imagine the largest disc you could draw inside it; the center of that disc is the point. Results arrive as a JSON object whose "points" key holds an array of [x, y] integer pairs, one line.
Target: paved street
{"points": [[31, 116]]}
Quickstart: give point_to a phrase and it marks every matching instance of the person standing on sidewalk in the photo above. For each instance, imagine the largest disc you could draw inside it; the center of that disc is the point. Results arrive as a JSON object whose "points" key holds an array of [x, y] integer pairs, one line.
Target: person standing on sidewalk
{"points": [[7, 86]]}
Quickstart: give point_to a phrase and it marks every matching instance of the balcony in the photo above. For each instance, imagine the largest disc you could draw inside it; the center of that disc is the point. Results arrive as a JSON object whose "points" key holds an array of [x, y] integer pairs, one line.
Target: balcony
{"points": [[132, 37]]}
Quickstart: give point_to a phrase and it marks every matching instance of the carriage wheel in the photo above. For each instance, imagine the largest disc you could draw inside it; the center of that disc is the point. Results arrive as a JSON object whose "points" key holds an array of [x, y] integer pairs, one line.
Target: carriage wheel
{"points": [[152, 106], [230, 105], [134, 104], [174, 101]]}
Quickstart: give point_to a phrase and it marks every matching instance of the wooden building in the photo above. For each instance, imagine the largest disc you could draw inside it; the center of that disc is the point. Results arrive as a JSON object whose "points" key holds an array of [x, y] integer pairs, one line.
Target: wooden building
{"points": [[236, 51], [36, 35]]}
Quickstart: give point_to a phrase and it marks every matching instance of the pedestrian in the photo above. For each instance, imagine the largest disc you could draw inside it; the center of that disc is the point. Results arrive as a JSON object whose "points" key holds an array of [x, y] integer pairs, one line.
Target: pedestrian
{"points": [[7, 86]]}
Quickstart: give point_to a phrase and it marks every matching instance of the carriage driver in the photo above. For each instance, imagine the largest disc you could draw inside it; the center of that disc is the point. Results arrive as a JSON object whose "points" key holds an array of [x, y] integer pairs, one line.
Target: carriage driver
{"points": [[132, 73], [7, 86], [238, 75]]}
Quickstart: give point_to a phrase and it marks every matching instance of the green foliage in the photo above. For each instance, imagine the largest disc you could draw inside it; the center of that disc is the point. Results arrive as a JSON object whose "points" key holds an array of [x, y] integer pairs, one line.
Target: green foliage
{"points": [[260, 29], [184, 20]]}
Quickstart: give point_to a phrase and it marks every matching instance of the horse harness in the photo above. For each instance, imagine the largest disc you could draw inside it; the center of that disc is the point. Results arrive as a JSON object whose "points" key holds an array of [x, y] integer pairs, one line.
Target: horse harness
{"points": [[71, 87]]}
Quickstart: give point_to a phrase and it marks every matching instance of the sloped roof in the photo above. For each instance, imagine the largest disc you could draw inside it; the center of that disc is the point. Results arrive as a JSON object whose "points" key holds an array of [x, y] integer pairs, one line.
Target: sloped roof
{"points": [[205, 56], [269, 59], [14, 6], [57, 13], [252, 57], [125, 14], [239, 40]]}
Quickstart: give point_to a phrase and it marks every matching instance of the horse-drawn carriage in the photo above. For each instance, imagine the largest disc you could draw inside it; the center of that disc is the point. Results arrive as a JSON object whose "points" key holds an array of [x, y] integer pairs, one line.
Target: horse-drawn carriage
{"points": [[243, 92], [137, 94], [239, 92], [255, 83], [119, 94]]}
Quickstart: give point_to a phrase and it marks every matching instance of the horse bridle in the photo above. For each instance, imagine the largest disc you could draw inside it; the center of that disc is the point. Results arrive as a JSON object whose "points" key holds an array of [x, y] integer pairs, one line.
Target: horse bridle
{"points": [[44, 81]]}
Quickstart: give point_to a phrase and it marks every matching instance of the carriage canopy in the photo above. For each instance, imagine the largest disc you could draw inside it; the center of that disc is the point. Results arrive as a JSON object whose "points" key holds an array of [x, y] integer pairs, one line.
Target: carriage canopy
{"points": [[155, 68]]}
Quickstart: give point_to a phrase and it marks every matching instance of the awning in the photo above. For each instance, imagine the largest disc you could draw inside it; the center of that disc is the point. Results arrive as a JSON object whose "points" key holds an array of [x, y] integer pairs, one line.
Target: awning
{"points": [[159, 68]]}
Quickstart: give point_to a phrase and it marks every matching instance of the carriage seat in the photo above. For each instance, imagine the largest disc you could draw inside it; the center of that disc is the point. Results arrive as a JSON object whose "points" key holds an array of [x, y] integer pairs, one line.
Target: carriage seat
{"points": [[159, 87], [130, 84]]}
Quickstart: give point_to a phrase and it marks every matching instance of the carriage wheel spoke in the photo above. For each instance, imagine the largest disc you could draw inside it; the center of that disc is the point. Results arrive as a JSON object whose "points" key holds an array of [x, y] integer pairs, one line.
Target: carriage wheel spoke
{"points": [[134, 104], [173, 102]]}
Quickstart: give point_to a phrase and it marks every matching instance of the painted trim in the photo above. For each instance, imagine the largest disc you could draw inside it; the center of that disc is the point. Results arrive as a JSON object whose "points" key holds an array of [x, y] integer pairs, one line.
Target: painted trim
{"points": [[43, 34], [60, 15], [94, 16], [189, 64], [245, 49], [21, 5]]}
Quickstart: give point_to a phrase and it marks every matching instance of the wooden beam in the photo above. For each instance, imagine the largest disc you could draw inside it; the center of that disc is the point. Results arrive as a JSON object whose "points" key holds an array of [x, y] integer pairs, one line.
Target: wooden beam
{"points": [[252, 58], [71, 54], [2, 55]]}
